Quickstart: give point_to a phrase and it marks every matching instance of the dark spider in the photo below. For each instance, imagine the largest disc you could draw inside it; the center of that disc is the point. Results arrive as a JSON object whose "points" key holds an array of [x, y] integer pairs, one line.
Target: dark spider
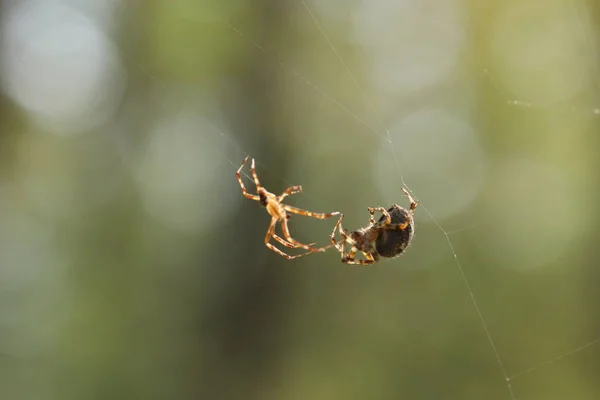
{"points": [[388, 237]]}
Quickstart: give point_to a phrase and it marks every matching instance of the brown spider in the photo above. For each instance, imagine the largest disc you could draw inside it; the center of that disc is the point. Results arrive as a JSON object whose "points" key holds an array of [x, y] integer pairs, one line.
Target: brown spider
{"points": [[279, 213], [389, 237]]}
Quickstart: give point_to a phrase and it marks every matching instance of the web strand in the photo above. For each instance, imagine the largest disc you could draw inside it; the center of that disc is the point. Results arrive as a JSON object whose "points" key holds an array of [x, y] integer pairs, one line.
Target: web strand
{"points": [[228, 138], [303, 79], [555, 359], [435, 221], [387, 137]]}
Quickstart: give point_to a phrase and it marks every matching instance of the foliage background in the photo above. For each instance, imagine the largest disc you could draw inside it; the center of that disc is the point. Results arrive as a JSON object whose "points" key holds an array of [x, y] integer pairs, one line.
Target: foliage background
{"points": [[132, 267]]}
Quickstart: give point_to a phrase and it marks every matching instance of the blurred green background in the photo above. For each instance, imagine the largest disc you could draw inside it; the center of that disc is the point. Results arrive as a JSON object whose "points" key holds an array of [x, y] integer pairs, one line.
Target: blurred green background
{"points": [[131, 267]]}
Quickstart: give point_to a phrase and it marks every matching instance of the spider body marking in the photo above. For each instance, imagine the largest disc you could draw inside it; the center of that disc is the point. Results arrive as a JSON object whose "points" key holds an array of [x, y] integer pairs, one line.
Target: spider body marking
{"points": [[391, 243], [279, 214], [388, 237]]}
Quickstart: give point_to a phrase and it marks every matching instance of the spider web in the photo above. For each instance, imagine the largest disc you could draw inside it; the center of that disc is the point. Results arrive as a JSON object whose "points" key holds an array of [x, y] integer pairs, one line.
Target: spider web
{"points": [[384, 134], [395, 148], [591, 112], [392, 145]]}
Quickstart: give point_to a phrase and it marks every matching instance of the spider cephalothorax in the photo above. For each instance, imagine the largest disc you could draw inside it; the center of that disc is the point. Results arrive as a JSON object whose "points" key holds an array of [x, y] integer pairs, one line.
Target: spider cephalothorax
{"points": [[279, 213], [388, 237]]}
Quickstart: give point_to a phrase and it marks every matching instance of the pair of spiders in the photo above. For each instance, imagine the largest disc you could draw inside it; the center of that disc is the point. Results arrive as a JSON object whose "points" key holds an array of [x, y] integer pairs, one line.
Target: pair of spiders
{"points": [[388, 237]]}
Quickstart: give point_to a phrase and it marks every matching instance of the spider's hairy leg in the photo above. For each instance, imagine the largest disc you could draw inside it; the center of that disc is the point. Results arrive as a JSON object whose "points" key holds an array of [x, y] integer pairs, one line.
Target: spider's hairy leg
{"points": [[371, 258], [299, 211], [285, 243], [289, 238], [349, 258], [341, 246], [413, 203], [271, 233], [388, 218], [239, 178], [306, 213], [254, 174], [289, 191]]}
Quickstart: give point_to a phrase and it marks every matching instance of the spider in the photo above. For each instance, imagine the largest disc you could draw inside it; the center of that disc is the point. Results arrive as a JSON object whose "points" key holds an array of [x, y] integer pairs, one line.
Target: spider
{"points": [[388, 237], [279, 213]]}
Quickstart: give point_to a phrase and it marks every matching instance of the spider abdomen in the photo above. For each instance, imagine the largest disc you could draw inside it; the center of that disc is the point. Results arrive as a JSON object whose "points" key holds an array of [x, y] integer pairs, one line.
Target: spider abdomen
{"points": [[391, 243]]}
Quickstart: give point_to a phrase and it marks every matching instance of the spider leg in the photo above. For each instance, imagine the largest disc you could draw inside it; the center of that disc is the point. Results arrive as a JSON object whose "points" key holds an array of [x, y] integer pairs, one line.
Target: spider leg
{"points": [[413, 203], [239, 178], [388, 218], [370, 258], [299, 211], [289, 238], [289, 191], [254, 174], [271, 233], [306, 213], [341, 246], [285, 243], [349, 258]]}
